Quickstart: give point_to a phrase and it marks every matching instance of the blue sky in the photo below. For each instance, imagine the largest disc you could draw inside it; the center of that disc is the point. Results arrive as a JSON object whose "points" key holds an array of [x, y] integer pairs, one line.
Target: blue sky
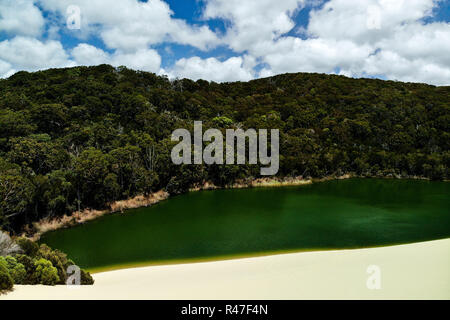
{"points": [[190, 11], [230, 40]]}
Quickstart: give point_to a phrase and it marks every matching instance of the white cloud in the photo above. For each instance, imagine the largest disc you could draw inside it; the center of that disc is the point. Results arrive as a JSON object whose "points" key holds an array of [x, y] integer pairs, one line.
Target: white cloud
{"points": [[400, 46], [315, 55], [232, 69], [88, 55], [142, 59], [131, 25], [365, 21], [359, 38], [21, 17], [397, 67], [24, 53], [430, 42], [253, 21], [6, 69]]}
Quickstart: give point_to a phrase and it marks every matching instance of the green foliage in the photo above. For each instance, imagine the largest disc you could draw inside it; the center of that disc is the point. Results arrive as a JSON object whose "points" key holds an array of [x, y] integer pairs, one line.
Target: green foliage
{"points": [[30, 248], [39, 264], [222, 122], [30, 268], [13, 124], [87, 136], [16, 194], [45, 273], [6, 281], [86, 278], [58, 259], [16, 270]]}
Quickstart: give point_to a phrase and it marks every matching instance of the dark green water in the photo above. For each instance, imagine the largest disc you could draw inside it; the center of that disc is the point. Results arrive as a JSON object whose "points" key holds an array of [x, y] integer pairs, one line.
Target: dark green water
{"points": [[335, 214]]}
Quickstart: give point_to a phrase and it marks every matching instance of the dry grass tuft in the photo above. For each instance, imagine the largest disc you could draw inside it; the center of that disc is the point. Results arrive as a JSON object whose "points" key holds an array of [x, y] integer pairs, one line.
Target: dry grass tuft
{"points": [[79, 217], [139, 201]]}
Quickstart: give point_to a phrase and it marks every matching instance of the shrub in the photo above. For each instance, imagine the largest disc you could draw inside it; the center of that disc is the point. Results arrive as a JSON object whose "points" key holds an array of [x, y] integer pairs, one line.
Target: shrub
{"points": [[45, 273], [6, 281], [38, 265], [3, 263], [29, 247], [58, 259], [30, 268], [16, 270], [86, 278]]}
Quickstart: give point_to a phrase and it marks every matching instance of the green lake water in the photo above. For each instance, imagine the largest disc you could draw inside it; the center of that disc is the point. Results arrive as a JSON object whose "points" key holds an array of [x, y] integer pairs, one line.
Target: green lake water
{"points": [[341, 214]]}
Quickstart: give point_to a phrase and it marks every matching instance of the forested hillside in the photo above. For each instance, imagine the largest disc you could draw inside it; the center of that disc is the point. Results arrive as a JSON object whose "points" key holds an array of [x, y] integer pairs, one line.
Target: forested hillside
{"points": [[84, 137]]}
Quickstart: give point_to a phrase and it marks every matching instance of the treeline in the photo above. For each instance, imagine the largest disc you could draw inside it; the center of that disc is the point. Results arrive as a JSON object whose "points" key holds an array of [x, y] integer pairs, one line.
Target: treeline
{"points": [[87, 136]]}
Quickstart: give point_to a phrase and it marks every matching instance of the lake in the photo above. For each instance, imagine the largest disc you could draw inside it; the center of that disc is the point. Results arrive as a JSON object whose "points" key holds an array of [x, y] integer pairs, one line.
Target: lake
{"points": [[337, 214]]}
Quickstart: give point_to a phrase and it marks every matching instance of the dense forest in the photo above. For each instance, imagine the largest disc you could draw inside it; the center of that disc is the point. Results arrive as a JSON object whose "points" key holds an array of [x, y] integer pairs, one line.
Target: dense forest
{"points": [[84, 137]]}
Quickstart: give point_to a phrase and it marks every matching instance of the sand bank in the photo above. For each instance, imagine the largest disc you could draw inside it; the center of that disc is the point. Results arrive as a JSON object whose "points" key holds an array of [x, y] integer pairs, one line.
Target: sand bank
{"points": [[413, 271]]}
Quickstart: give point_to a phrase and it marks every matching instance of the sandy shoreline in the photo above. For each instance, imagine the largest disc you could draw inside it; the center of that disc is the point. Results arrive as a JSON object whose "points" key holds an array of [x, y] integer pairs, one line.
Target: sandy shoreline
{"points": [[412, 271]]}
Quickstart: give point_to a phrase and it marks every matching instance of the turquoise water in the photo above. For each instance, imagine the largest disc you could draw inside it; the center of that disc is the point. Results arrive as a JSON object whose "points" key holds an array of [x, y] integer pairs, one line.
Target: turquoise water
{"points": [[329, 215]]}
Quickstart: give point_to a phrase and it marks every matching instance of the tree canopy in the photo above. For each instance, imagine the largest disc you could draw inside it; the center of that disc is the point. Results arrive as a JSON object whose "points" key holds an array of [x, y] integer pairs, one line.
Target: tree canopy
{"points": [[86, 136]]}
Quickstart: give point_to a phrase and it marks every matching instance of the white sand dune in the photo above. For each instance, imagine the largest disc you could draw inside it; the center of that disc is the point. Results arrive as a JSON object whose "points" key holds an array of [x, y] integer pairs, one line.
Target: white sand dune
{"points": [[413, 271]]}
